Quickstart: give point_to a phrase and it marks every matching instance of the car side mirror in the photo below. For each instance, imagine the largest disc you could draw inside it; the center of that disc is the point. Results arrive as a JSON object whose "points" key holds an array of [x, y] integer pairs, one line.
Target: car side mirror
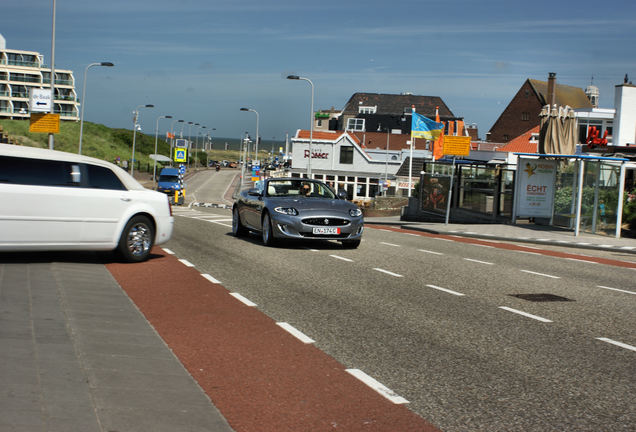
{"points": [[254, 192], [342, 194]]}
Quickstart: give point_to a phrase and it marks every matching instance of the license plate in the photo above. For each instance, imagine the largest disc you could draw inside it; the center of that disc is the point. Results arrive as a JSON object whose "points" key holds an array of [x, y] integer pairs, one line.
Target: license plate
{"points": [[327, 231]]}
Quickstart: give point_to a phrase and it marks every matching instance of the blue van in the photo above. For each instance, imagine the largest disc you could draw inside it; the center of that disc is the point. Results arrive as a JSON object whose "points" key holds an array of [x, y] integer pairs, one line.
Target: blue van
{"points": [[170, 183]]}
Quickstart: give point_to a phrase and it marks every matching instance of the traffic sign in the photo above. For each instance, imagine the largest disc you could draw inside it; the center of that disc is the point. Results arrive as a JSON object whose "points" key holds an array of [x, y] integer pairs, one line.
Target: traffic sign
{"points": [[39, 100], [45, 123], [180, 154], [456, 145]]}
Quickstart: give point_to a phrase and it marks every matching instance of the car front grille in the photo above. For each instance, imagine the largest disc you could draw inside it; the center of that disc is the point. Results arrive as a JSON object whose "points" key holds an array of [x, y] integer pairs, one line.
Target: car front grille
{"points": [[326, 221]]}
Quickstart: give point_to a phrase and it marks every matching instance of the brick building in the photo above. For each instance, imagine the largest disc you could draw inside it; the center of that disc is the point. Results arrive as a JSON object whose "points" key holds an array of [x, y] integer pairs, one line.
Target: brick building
{"points": [[522, 113]]}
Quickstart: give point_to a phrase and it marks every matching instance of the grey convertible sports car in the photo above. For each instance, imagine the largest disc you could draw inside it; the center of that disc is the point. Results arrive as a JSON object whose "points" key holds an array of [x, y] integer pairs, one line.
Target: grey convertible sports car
{"points": [[295, 208]]}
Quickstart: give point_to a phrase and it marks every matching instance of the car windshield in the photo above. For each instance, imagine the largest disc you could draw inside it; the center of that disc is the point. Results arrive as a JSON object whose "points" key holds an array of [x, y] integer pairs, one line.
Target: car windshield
{"points": [[299, 188], [168, 178]]}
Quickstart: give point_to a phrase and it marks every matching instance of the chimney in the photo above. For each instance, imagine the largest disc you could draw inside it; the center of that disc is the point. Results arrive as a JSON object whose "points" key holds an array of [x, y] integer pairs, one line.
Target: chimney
{"points": [[551, 88]]}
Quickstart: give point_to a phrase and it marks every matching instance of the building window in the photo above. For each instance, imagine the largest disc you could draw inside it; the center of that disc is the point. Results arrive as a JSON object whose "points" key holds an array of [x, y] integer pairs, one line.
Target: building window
{"points": [[525, 116], [346, 154], [355, 124], [367, 109]]}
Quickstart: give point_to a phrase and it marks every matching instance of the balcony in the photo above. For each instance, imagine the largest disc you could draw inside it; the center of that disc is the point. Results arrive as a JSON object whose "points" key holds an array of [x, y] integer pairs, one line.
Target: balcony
{"points": [[28, 79], [22, 63], [58, 81]]}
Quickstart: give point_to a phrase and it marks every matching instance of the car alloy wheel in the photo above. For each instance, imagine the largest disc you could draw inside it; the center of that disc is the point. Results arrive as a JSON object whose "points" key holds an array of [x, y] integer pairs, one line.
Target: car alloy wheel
{"points": [[137, 239], [237, 227], [268, 236]]}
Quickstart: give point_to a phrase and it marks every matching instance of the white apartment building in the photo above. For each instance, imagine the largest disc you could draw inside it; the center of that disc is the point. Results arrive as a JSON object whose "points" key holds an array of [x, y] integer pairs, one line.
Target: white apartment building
{"points": [[21, 71]]}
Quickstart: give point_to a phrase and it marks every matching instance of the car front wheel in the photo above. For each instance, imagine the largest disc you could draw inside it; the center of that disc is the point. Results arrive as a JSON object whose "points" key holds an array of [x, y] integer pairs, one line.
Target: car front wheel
{"points": [[238, 229], [268, 235], [137, 239]]}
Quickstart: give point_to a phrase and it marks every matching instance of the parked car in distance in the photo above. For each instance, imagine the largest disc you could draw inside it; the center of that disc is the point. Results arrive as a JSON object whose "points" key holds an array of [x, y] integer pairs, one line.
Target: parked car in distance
{"points": [[300, 209], [62, 201]]}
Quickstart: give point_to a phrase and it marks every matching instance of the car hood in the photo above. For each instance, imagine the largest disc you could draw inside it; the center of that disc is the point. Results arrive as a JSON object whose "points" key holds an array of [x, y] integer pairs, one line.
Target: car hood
{"points": [[313, 204]]}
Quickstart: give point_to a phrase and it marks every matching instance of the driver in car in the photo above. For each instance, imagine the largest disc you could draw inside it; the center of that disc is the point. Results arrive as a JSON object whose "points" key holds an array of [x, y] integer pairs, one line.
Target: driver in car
{"points": [[305, 190]]}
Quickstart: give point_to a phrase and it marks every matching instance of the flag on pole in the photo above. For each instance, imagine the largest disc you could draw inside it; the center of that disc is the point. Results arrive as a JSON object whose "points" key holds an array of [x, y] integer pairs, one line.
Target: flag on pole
{"points": [[423, 127], [438, 144], [169, 135]]}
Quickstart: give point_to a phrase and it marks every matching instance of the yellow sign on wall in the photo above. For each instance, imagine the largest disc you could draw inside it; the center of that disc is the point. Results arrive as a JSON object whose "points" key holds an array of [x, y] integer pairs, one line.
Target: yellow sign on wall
{"points": [[44, 123], [457, 145]]}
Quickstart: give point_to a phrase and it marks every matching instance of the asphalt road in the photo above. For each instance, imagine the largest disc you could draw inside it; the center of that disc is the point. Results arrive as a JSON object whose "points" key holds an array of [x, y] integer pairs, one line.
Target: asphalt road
{"points": [[436, 321]]}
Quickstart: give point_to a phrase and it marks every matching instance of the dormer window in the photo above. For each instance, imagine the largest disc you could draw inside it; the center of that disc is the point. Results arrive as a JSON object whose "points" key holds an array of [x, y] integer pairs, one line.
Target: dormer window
{"points": [[367, 109], [355, 124]]}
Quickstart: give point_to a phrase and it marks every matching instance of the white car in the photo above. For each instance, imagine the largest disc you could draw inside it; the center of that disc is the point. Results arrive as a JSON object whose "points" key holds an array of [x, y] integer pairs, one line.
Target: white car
{"points": [[53, 200]]}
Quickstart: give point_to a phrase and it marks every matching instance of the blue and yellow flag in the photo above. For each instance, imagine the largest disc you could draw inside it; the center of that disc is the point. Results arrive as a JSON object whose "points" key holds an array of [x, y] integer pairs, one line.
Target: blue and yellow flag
{"points": [[424, 127]]}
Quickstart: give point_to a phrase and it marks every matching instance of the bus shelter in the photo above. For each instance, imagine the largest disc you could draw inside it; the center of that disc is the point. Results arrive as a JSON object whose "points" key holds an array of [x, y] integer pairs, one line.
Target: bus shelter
{"points": [[579, 192]]}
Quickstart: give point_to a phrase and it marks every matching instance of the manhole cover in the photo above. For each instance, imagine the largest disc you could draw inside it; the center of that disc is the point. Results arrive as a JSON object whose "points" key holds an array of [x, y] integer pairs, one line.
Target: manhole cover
{"points": [[541, 297]]}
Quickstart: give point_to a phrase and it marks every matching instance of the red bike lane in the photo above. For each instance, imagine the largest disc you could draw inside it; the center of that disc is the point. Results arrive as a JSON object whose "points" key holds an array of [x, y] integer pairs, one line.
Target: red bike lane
{"points": [[259, 376]]}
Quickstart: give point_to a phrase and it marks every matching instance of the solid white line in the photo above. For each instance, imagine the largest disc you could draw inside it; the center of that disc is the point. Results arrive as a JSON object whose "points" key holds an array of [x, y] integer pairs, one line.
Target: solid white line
{"points": [[341, 258], [616, 289], [430, 252], [446, 290], [168, 251], [243, 299], [186, 262], [525, 314], [295, 332], [413, 234], [390, 244], [482, 245], [224, 224], [477, 261], [527, 252], [210, 278], [388, 272], [541, 274], [445, 239], [377, 386], [582, 260], [620, 344]]}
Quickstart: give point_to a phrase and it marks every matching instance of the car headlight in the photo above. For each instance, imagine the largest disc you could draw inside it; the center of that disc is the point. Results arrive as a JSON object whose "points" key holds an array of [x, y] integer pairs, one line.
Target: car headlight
{"points": [[355, 212], [286, 210]]}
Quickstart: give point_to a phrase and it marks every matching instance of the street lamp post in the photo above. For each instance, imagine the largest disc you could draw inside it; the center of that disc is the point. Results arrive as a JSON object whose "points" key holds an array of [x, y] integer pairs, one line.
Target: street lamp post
{"points": [[196, 143], [135, 117], [83, 101], [311, 114], [172, 138], [256, 145], [154, 168], [190, 142]]}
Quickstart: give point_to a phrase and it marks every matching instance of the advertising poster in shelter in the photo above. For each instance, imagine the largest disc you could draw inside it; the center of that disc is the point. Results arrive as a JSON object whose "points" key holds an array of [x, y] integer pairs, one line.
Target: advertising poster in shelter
{"points": [[434, 192], [535, 187]]}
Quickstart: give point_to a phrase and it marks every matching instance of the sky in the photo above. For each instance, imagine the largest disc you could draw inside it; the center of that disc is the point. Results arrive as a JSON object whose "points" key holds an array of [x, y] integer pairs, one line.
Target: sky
{"points": [[203, 60]]}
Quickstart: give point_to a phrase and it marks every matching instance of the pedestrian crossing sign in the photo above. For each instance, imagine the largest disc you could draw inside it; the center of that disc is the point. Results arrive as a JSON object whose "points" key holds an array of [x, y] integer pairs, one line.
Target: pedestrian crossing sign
{"points": [[180, 154]]}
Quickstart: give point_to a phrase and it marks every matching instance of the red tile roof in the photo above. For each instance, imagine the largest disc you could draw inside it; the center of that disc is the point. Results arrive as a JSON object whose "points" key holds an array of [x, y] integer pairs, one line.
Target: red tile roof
{"points": [[522, 143], [324, 135]]}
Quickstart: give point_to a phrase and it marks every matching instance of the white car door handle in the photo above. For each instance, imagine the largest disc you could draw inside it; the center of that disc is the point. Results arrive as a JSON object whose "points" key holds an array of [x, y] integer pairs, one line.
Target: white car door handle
{"points": [[126, 199]]}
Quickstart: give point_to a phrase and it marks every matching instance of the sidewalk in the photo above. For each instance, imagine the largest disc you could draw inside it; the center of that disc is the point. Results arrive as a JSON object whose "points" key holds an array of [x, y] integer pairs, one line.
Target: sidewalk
{"points": [[522, 232], [77, 355]]}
